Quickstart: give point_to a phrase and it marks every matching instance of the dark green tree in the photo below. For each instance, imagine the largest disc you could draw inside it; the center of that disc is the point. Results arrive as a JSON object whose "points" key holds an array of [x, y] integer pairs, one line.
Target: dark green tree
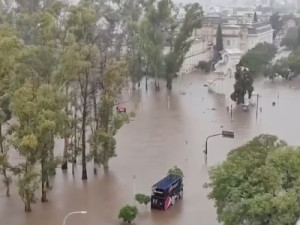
{"points": [[258, 183], [258, 57], [255, 17], [219, 39], [294, 62], [175, 170], [142, 199], [243, 85], [269, 72], [291, 38], [128, 213], [182, 42], [276, 23]]}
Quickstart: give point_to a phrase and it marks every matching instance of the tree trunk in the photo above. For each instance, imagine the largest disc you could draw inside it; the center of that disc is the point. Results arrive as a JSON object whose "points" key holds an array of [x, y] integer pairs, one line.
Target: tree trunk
{"points": [[84, 173], [27, 206], [7, 190], [4, 170], [83, 126], [146, 83], [44, 194], [96, 127], [66, 148], [169, 83], [105, 164]]}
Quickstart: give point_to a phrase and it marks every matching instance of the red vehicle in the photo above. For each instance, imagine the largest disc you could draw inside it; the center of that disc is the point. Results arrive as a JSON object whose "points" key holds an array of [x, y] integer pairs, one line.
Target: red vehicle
{"points": [[121, 109]]}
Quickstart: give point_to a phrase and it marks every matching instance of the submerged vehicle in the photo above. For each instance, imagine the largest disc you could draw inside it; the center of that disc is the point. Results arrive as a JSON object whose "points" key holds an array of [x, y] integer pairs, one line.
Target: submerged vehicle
{"points": [[166, 192], [121, 109]]}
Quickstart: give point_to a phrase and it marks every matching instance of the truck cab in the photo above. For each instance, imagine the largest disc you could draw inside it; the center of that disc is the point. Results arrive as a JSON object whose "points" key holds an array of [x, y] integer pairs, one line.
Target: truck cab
{"points": [[166, 192]]}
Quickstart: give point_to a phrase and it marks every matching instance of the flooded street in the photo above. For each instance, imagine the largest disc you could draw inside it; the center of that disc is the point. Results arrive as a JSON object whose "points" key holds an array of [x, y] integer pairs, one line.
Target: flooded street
{"points": [[169, 129]]}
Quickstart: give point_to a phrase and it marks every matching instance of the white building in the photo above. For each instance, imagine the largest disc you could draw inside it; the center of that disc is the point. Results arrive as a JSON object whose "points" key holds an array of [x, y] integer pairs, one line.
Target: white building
{"points": [[245, 36], [200, 50], [237, 39]]}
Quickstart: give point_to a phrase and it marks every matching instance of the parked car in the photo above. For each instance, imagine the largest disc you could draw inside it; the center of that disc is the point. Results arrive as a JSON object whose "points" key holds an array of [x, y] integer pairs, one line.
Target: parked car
{"points": [[121, 109]]}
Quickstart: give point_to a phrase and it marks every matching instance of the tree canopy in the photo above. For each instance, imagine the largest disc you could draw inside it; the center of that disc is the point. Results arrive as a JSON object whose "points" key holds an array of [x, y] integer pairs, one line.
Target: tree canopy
{"points": [[244, 79], [291, 38], [128, 213], [258, 57], [219, 39], [259, 183], [276, 23]]}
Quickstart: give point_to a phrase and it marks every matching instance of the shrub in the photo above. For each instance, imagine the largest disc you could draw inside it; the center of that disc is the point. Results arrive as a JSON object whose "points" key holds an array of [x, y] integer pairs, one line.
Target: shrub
{"points": [[128, 213]]}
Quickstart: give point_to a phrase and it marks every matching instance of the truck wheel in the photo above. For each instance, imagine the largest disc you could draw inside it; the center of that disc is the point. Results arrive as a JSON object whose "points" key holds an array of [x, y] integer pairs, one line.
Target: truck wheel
{"points": [[173, 200]]}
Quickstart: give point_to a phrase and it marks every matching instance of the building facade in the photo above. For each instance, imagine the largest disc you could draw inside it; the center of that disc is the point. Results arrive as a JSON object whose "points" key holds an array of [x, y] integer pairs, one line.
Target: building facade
{"points": [[200, 50], [245, 36]]}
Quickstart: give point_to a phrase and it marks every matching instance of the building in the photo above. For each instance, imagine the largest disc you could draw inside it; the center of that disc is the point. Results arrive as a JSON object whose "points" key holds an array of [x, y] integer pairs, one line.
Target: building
{"points": [[239, 38], [200, 50], [245, 36]]}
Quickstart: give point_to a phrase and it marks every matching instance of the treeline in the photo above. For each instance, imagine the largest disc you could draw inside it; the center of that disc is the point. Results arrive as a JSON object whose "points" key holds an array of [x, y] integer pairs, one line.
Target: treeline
{"points": [[62, 68]]}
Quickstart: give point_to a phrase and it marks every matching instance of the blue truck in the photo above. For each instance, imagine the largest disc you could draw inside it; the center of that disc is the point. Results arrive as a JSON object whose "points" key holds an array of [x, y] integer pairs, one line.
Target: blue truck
{"points": [[166, 192]]}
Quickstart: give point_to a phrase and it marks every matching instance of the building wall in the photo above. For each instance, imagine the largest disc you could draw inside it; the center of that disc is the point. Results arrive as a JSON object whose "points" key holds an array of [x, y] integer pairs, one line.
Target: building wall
{"points": [[199, 51], [260, 38]]}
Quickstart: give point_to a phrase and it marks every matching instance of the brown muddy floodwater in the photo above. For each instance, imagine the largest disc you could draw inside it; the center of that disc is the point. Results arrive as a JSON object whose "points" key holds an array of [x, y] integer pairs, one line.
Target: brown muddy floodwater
{"points": [[160, 136]]}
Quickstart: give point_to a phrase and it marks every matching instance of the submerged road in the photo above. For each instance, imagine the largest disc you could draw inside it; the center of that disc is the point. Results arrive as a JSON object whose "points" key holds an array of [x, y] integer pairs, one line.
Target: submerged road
{"points": [[169, 129]]}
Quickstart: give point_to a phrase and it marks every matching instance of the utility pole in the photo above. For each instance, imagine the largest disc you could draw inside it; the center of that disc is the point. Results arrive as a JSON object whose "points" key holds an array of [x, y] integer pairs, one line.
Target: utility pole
{"points": [[226, 134], [134, 179]]}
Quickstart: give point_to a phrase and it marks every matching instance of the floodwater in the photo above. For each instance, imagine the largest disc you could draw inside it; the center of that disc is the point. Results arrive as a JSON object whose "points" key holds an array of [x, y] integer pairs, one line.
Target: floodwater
{"points": [[169, 129]]}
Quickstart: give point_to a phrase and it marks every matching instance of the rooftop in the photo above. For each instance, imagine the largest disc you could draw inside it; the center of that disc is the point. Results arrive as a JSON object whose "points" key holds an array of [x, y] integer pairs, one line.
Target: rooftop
{"points": [[167, 181]]}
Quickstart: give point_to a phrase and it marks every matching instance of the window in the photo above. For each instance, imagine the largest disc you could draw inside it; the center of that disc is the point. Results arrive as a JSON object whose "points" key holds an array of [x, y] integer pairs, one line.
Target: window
{"points": [[228, 42]]}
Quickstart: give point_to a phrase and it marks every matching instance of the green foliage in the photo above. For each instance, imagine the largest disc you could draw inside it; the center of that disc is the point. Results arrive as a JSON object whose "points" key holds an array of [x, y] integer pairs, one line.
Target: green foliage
{"points": [[294, 62], [142, 199], [276, 23], [258, 183], [258, 57], [128, 213], [182, 42], [39, 113], [219, 39], [281, 68], [175, 170], [291, 38], [205, 66], [28, 183], [243, 84], [108, 123]]}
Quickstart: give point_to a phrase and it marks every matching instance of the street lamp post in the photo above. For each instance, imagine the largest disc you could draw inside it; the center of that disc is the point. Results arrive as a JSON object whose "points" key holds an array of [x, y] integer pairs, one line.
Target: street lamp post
{"points": [[226, 134], [72, 213], [134, 179]]}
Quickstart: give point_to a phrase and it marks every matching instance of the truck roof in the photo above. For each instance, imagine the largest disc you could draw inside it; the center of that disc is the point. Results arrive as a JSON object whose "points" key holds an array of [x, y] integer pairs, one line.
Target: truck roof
{"points": [[167, 181]]}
